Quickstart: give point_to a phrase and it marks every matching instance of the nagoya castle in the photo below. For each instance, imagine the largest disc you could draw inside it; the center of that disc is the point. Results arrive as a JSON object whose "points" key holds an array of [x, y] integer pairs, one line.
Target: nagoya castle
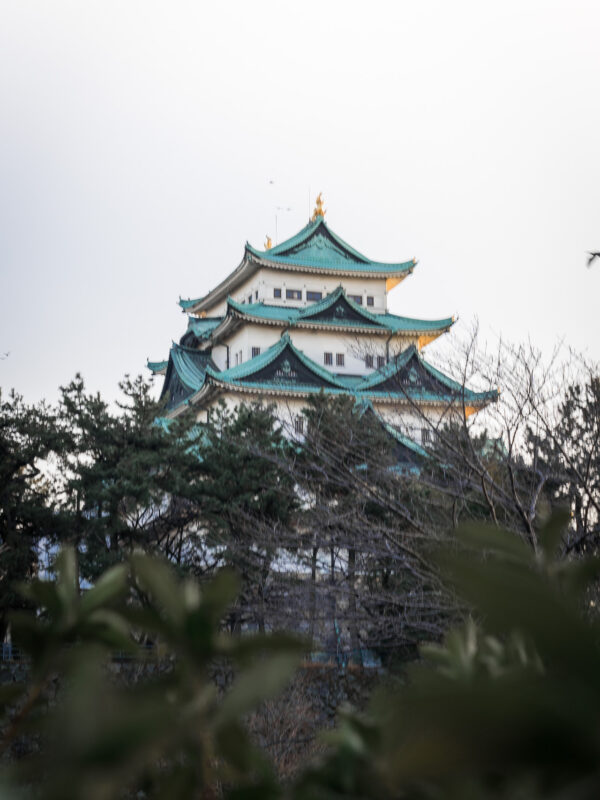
{"points": [[311, 315]]}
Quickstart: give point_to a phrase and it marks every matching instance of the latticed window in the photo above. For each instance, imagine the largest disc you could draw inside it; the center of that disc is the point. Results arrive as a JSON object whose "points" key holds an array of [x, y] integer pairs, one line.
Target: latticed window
{"points": [[339, 359], [370, 300], [314, 296], [380, 362], [299, 425], [293, 294], [276, 292], [357, 298], [328, 359], [369, 361], [427, 436], [255, 352]]}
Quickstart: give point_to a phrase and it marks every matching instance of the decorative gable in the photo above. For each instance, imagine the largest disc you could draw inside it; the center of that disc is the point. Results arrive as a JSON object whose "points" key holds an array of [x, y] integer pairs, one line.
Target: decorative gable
{"points": [[174, 390], [339, 311], [411, 376], [286, 369], [337, 308], [321, 247]]}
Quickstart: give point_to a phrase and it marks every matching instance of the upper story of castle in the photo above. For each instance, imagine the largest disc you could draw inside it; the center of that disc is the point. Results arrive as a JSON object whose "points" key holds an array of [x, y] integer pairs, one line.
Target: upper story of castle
{"points": [[303, 270]]}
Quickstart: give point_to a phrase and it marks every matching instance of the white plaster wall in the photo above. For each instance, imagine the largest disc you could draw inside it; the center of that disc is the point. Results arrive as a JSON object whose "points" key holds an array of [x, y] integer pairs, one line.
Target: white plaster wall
{"points": [[313, 343], [409, 420], [249, 336], [219, 356], [412, 421], [316, 343], [272, 279], [286, 410], [265, 280]]}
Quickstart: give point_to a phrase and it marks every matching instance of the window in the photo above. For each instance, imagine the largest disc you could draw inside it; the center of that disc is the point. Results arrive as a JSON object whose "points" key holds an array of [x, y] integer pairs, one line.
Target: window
{"points": [[249, 298], [339, 359], [370, 300], [380, 362], [293, 294], [357, 298], [276, 292], [299, 425], [328, 359], [427, 436], [313, 296], [237, 361], [239, 357], [255, 352], [369, 361], [256, 295]]}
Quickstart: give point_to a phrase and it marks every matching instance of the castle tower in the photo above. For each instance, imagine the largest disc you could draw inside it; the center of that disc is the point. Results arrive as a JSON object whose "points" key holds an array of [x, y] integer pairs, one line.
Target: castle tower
{"points": [[311, 315]]}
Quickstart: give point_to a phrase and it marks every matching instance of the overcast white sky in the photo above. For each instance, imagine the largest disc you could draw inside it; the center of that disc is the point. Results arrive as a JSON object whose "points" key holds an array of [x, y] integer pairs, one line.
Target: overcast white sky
{"points": [[138, 139]]}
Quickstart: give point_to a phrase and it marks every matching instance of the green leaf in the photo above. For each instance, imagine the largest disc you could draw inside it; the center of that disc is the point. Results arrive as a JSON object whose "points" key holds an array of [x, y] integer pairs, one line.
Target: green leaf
{"points": [[67, 583], [111, 586], [220, 593], [157, 579], [484, 539]]}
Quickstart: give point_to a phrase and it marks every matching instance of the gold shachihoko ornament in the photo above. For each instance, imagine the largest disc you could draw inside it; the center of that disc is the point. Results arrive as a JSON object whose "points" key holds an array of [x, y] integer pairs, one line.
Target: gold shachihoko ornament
{"points": [[319, 210], [268, 243]]}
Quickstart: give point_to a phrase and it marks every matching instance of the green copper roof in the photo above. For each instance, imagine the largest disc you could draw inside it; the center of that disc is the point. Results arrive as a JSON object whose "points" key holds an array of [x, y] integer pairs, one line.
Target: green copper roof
{"points": [[185, 304], [317, 246], [330, 300], [190, 365], [203, 326], [372, 386], [366, 407], [374, 383], [157, 366], [297, 316], [402, 439], [258, 363], [185, 374]]}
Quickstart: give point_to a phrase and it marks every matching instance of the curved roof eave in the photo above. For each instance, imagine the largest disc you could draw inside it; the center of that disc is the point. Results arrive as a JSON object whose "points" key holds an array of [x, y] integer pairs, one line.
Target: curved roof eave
{"points": [[275, 315], [214, 381], [371, 269], [356, 265]]}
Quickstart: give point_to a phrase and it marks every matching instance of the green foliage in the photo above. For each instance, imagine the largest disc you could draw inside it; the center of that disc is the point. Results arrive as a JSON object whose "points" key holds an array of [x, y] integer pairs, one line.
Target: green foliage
{"points": [[570, 452], [245, 499], [507, 711], [344, 443], [171, 735], [241, 456], [122, 472], [28, 435]]}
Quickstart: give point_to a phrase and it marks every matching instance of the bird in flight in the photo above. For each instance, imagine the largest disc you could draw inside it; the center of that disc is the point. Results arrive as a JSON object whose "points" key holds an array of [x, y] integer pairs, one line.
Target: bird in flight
{"points": [[591, 258]]}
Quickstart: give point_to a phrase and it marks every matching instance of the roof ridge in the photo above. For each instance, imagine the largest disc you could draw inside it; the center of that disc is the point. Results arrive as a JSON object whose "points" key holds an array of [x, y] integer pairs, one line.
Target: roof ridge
{"points": [[305, 234], [193, 350], [388, 370], [332, 298]]}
